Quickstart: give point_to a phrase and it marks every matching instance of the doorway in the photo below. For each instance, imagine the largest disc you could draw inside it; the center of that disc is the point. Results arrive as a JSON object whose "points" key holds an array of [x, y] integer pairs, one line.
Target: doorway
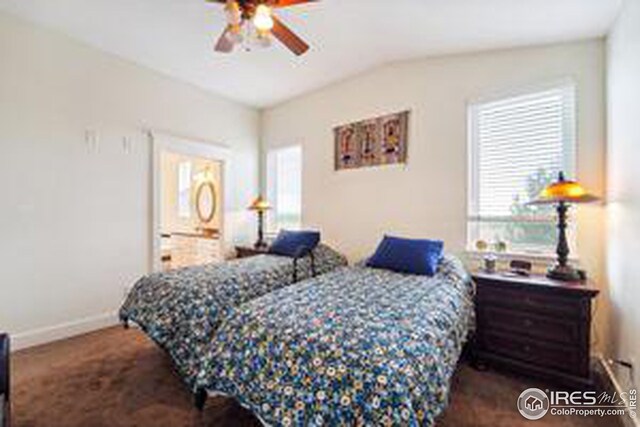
{"points": [[188, 201]]}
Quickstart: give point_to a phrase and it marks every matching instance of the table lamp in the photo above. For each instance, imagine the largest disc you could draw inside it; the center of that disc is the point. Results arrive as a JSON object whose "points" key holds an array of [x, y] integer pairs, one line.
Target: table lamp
{"points": [[260, 206], [563, 193]]}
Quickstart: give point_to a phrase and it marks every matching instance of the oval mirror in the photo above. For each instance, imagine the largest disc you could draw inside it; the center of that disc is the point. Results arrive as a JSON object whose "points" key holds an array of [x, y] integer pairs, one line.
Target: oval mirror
{"points": [[206, 201]]}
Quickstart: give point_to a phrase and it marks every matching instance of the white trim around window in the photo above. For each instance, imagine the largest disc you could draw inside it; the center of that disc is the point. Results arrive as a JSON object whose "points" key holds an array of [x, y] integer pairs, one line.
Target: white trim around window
{"points": [[517, 142]]}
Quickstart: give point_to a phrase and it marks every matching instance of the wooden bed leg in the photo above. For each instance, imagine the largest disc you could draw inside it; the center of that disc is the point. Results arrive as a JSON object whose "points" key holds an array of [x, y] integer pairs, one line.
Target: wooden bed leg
{"points": [[200, 397]]}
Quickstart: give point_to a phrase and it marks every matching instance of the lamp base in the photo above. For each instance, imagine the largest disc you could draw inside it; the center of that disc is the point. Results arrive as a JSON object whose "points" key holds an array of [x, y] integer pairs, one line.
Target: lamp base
{"points": [[565, 273]]}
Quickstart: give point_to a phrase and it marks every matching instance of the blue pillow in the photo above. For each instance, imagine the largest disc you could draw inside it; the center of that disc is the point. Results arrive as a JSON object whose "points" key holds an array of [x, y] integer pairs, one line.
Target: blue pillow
{"points": [[413, 256], [295, 243]]}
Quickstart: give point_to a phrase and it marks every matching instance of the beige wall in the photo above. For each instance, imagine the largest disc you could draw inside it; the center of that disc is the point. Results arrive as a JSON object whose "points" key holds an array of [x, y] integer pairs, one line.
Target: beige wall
{"points": [[170, 220], [624, 185], [75, 218], [428, 197]]}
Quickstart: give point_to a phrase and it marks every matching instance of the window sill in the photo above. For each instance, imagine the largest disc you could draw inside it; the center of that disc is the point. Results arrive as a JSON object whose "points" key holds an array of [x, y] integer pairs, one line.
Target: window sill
{"points": [[535, 258]]}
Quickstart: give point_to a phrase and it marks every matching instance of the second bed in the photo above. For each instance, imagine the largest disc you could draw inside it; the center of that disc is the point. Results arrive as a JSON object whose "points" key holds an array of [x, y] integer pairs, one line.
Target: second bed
{"points": [[181, 309], [356, 346]]}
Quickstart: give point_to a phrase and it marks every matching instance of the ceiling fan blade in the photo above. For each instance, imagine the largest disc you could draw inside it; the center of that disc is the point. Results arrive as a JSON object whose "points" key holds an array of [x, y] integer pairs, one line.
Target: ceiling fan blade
{"points": [[224, 45], [288, 37], [287, 3]]}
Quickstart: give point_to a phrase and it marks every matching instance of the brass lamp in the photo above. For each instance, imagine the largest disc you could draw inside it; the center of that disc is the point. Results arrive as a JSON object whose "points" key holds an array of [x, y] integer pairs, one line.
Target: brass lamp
{"points": [[563, 193], [260, 206]]}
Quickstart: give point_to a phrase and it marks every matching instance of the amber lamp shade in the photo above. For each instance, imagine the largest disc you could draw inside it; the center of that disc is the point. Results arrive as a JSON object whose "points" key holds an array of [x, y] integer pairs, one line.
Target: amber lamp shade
{"points": [[260, 205], [563, 193]]}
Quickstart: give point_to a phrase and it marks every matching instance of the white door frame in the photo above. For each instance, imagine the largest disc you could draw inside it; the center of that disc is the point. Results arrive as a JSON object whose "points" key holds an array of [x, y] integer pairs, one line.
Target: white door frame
{"points": [[165, 142]]}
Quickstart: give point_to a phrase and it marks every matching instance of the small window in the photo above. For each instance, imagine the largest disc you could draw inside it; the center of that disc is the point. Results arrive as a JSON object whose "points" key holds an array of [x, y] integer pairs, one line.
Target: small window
{"points": [[184, 190], [284, 187], [518, 145]]}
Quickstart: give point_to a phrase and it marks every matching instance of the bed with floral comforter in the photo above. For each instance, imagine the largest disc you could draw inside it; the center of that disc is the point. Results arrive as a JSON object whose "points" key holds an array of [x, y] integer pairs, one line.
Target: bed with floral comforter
{"points": [[357, 346], [181, 309]]}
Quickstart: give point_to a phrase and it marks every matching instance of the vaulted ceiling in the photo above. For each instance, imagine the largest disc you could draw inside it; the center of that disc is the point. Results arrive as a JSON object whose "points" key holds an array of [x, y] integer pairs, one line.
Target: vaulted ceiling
{"points": [[176, 37]]}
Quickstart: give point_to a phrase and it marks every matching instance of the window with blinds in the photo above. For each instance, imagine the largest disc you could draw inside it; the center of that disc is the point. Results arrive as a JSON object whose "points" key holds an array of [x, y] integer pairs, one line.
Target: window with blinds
{"points": [[518, 145], [284, 188]]}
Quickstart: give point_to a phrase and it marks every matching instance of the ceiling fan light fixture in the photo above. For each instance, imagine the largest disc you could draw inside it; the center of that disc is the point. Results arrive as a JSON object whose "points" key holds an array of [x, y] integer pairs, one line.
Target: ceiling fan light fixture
{"points": [[234, 35], [263, 39], [233, 12], [262, 19], [252, 24]]}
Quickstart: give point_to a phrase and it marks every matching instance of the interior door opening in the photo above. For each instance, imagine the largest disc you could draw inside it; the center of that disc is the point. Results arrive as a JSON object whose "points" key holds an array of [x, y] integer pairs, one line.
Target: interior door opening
{"points": [[191, 215], [189, 199]]}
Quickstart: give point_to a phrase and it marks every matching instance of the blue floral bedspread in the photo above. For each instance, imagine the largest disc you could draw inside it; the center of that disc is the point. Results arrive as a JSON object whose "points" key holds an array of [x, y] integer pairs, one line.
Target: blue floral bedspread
{"points": [[181, 309], [357, 346]]}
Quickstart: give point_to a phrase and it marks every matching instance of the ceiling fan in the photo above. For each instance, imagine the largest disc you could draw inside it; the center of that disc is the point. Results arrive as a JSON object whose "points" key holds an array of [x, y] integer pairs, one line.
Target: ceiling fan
{"points": [[253, 20]]}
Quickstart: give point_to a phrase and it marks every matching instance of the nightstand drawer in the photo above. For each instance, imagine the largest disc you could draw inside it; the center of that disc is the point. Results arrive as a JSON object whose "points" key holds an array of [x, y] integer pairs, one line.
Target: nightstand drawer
{"points": [[534, 326], [556, 357], [521, 323], [538, 302]]}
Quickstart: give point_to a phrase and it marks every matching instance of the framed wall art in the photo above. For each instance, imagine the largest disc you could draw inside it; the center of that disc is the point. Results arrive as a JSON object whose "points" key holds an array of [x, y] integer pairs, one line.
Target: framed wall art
{"points": [[372, 142]]}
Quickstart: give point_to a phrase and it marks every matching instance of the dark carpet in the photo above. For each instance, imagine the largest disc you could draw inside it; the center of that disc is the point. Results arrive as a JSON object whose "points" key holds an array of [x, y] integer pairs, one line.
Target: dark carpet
{"points": [[117, 378]]}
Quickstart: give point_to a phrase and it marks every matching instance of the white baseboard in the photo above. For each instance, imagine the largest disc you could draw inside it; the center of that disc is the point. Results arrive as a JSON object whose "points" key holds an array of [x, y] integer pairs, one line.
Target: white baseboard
{"points": [[63, 330], [627, 421]]}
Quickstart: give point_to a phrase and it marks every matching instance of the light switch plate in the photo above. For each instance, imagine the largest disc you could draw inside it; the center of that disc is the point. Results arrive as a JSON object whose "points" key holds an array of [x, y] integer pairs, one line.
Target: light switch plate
{"points": [[91, 140], [126, 144]]}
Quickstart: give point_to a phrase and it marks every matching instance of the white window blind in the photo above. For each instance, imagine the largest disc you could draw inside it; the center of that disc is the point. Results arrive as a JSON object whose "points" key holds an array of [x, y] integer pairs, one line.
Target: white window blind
{"points": [[284, 187], [518, 145]]}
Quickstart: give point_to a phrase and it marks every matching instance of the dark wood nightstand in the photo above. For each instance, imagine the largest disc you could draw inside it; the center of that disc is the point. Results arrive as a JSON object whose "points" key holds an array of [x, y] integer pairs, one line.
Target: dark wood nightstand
{"points": [[534, 326], [247, 251]]}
